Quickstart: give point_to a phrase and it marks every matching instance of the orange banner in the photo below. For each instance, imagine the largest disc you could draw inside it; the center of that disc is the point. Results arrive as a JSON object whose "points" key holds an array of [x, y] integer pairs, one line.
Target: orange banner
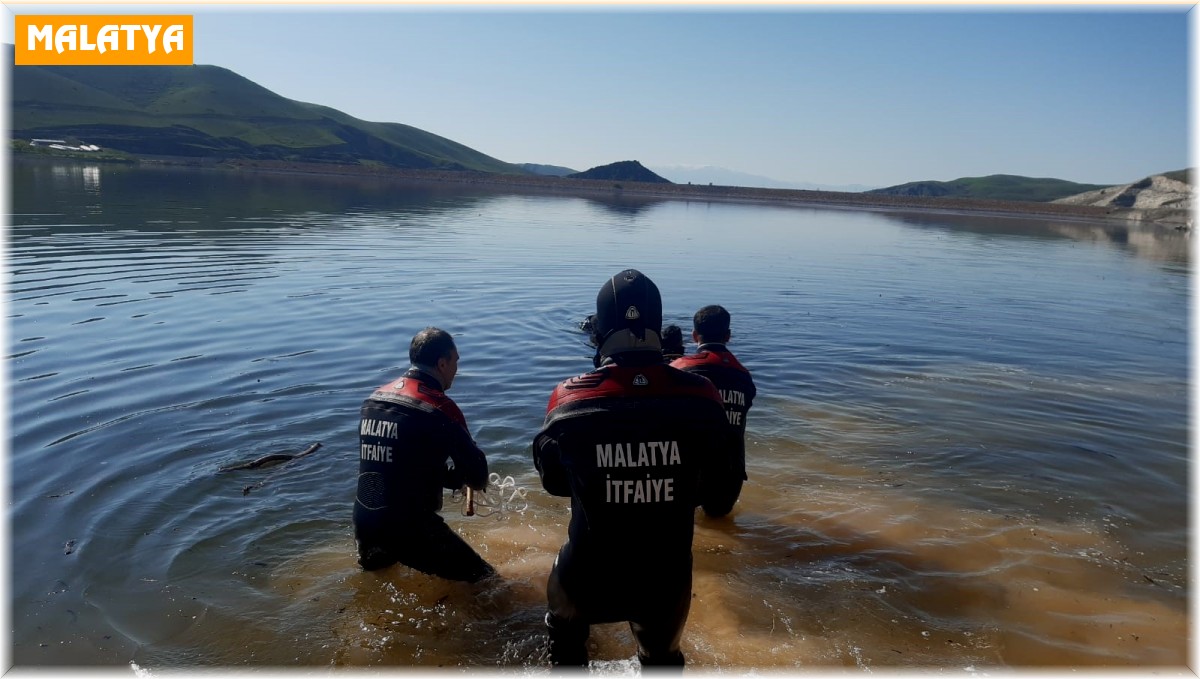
{"points": [[103, 40]]}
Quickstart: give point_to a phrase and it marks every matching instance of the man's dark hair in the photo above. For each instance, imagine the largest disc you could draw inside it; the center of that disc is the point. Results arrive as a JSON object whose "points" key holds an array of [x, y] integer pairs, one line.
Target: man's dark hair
{"points": [[711, 323], [429, 345]]}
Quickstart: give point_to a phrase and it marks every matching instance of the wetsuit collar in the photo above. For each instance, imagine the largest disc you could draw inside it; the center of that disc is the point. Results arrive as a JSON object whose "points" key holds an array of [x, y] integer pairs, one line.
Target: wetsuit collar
{"points": [[712, 346], [425, 374], [633, 358], [623, 341]]}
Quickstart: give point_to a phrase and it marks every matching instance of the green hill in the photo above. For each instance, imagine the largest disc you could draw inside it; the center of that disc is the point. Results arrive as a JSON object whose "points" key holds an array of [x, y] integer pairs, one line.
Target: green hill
{"points": [[625, 171], [548, 170], [208, 111], [993, 187]]}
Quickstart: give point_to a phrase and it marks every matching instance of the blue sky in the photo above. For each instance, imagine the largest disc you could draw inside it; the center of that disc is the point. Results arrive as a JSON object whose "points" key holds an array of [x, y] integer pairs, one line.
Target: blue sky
{"points": [[828, 94]]}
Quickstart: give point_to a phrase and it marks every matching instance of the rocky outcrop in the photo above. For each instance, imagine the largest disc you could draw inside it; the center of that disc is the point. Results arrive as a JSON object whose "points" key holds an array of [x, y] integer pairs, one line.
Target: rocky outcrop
{"points": [[1157, 198]]}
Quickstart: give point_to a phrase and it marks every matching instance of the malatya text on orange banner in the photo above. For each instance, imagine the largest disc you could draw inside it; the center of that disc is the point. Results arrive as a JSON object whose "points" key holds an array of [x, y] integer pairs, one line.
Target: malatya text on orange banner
{"points": [[103, 40]]}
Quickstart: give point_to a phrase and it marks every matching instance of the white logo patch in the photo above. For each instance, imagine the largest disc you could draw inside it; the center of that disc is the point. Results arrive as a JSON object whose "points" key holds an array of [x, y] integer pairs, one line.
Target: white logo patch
{"points": [[640, 381], [631, 314]]}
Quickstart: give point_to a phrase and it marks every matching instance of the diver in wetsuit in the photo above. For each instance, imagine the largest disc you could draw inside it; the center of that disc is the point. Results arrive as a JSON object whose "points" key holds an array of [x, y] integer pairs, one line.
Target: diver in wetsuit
{"points": [[672, 343], [413, 442], [714, 360], [631, 443]]}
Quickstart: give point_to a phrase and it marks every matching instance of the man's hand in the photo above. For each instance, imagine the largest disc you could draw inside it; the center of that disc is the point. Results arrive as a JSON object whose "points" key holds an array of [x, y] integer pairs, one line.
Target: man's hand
{"points": [[470, 493]]}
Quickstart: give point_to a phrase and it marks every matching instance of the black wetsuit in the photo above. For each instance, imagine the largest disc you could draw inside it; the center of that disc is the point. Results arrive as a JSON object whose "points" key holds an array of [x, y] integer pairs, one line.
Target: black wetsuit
{"points": [[408, 431], [714, 361], [628, 443]]}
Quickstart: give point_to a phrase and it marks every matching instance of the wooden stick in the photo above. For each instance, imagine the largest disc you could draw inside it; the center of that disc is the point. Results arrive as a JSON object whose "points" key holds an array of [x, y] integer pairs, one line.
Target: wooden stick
{"points": [[470, 501]]}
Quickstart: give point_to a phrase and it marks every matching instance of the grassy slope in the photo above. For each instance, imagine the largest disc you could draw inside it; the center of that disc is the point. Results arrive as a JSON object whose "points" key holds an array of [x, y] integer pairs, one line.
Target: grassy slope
{"points": [[993, 187], [208, 110]]}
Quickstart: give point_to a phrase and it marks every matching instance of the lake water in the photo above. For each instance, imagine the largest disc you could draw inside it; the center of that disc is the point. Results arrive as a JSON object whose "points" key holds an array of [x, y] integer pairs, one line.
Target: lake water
{"points": [[969, 450]]}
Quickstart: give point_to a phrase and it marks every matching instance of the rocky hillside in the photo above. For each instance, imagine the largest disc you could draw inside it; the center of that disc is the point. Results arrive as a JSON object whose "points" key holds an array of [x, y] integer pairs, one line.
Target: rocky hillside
{"points": [[1161, 197]]}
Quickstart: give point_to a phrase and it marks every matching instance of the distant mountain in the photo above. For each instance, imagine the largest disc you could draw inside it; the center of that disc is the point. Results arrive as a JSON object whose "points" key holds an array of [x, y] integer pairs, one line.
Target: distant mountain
{"points": [[720, 176], [993, 187], [208, 111], [624, 171], [547, 170]]}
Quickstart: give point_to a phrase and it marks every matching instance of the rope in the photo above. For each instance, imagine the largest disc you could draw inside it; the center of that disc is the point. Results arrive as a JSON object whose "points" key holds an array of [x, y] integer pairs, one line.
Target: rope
{"points": [[499, 498]]}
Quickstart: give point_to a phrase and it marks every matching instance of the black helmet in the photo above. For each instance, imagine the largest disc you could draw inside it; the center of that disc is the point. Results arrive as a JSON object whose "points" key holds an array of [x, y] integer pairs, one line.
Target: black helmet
{"points": [[628, 301]]}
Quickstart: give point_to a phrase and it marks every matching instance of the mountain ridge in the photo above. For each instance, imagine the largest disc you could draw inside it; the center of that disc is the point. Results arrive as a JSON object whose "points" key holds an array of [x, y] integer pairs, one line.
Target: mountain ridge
{"points": [[204, 111]]}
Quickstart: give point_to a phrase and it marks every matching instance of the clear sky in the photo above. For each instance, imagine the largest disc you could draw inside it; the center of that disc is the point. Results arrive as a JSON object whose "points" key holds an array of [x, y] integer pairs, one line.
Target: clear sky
{"points": [[875, 95]]}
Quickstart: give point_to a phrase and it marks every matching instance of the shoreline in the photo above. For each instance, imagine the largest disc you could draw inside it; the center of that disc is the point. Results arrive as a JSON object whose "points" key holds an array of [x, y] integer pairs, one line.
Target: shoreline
{"points": [[1179, 220], [1176, 219]]}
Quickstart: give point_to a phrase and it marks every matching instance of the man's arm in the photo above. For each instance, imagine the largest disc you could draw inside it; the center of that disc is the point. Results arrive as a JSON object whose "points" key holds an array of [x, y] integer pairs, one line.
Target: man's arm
{"points": [[470, 464], [547, 459]]}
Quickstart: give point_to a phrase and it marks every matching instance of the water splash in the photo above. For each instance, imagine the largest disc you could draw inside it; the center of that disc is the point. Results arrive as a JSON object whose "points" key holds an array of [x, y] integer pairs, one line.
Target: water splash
{"points": [[501, 497]]}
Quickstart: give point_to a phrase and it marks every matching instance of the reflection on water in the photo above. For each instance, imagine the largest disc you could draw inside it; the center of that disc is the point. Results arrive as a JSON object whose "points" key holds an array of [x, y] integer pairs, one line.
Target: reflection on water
{"points": [[621, 204], [71, 176], [91, 179], [1142, 240], [970, 448]]}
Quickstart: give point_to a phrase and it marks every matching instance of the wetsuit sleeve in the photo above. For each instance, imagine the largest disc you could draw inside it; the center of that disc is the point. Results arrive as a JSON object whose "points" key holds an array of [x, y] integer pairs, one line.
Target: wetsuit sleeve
{"points": [[547, 453], [468, 466], [547, 459]]}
